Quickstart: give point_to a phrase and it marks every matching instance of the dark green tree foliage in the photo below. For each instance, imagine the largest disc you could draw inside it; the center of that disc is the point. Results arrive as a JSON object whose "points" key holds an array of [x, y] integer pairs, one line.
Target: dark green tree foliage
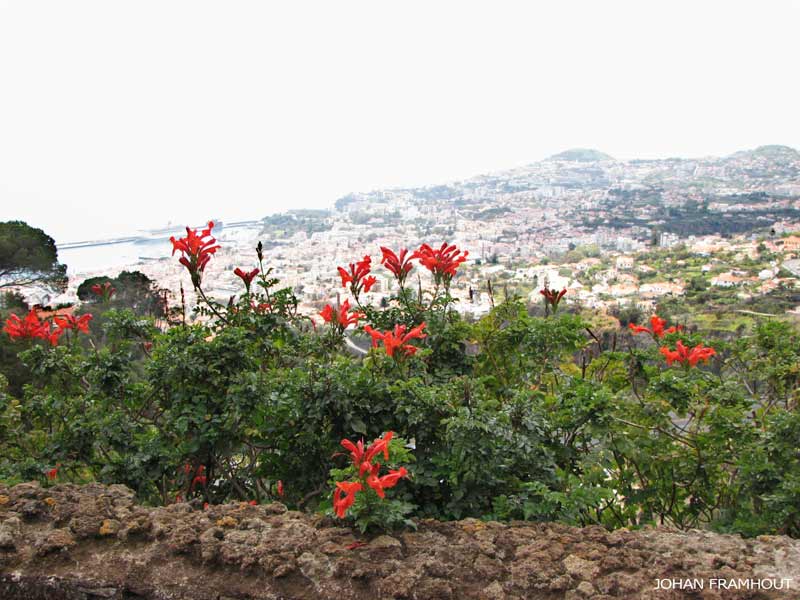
{"points": [[28, 256], [14, 302], [133, 290], [15, 373]]}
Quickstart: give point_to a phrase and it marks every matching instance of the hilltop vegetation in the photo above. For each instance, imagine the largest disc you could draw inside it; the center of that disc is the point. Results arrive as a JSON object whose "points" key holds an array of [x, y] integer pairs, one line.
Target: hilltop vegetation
{"points": [[285, 225], [581, 155]]}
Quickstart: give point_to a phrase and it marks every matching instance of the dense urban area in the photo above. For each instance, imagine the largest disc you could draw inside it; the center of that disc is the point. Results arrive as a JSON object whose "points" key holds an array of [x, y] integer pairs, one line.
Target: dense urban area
{"points": [[721, 234]]}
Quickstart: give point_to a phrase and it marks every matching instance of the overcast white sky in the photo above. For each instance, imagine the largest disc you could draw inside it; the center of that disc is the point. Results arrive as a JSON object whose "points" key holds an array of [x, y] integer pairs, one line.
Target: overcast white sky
{"points": [[120, 115]]}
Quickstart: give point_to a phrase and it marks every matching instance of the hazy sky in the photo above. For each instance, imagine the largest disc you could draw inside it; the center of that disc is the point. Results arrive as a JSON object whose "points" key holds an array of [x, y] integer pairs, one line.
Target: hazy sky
{"points": [[120, 115]]}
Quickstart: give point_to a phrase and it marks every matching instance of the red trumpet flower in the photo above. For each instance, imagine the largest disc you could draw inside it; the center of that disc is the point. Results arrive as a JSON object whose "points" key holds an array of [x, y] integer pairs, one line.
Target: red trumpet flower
{"points": [[104, 291], [392, 340], [195, 250], [199, 476], [656, 328], [367, 472], [341, 318], [368, 282], [52, 474], [356, 277], [356, 451], [552, 297], [280, 488], [442, 262], [68, 322], [247, 277], [29, 327], [362, 459], [400, 265], [387, 481], [687, 356], [350, 488], [261, 307], [81, 323], [54, 335]]}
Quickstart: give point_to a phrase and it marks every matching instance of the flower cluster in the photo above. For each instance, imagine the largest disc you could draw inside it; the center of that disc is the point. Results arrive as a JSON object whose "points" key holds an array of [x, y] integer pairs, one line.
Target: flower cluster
{"points": [[688, 357], [29, 327], [65, 322], [32, 327], [442, 262], [656, 328], [104, 292], [196, 250], [199, 477], [553, 297], [356, 278], [68, 322], [345, 493], [397, 339], [398, 264], [342, 317]]}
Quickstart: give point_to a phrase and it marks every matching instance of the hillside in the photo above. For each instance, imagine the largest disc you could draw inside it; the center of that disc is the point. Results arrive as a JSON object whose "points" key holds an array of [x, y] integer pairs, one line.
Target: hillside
{"points": [[584, 197], [772, 152]]}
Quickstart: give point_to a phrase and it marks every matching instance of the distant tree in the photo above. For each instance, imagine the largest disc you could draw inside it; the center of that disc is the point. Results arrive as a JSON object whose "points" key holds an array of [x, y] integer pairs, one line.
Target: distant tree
{"points": [[628, 314], [698, 284], [28, 256], [133, 290], [14, 302], [12, 369]]}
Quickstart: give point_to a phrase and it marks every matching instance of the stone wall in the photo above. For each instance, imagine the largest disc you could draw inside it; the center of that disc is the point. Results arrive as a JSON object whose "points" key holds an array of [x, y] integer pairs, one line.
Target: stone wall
{"points": [[93, 542]]}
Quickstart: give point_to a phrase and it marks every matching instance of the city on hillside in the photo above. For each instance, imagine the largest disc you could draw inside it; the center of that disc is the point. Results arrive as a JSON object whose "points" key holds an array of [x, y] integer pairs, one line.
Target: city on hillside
{"points": [[619, 236]]}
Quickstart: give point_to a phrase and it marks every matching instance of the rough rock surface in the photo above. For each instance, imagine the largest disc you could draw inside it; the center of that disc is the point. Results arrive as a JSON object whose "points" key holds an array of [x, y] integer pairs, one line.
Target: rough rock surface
{"points": [[92, 542]]}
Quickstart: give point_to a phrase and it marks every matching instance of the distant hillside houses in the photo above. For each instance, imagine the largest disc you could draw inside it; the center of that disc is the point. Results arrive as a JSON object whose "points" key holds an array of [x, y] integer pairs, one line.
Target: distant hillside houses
{"points": [[727, 280], [661, 288], [624, 263]]}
